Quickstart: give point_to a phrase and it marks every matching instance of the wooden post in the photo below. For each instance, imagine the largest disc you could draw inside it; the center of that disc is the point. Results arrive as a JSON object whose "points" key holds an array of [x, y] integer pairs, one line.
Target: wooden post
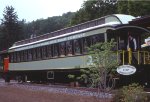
{"points": [[123, 57], [129, 56]]}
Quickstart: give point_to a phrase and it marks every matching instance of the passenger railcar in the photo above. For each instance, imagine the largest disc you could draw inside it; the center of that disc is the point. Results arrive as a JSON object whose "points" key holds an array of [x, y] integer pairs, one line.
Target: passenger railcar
{"points": [[51, 57]]}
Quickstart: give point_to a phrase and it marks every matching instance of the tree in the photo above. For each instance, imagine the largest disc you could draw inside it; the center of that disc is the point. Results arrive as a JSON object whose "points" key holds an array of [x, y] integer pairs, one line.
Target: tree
{"points": [[131, 7], [43, 26], [102, 62], [93, 9], [122, 7], [11, 29]]}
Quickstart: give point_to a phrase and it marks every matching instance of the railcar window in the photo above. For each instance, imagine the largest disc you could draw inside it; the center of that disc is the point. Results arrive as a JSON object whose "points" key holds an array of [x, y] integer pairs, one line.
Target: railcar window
{"points": [[94, 39], [75, 28], [15, 57], [83, 26], [62, 47], [55, 33], [49, 51], [29, 55], [100, 38], [55, 49], [34, 54], [21, 56], [49, 35], [91, 24], [12, 57], [38, 53], [18, 56], [69, 48], [97, 38], [79, 27], [25, 55], [62, 32], [68, 30], [122, 41], [100, 21], [86, 43], [43, 52], [77, 46]]}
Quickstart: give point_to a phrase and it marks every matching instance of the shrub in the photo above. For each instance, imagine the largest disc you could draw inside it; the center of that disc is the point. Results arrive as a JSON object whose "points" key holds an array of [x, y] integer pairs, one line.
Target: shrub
{"points": [[131, 93]]}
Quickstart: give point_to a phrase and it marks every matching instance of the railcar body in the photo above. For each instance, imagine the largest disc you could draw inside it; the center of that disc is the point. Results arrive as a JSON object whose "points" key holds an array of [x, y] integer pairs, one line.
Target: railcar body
{"points": [[53, 56]]}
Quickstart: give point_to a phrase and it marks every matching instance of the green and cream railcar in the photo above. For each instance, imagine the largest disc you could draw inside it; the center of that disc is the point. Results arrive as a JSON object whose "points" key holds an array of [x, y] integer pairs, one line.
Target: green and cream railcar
{"points": [[51, 57]]}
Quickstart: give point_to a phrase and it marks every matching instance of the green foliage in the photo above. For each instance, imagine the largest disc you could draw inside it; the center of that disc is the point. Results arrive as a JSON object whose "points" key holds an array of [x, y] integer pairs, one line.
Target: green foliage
{"points": [[122, 7], [71, 76], [43, 26], [134, 6], [102, 55], [102, 60], [93, 9], [11, 30], [131, 7], [131, 93]]}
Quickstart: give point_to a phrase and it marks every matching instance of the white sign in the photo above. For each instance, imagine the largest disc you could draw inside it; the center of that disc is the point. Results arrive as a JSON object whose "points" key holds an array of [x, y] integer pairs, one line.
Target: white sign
{"points": [[126, 70], [147, 41]]}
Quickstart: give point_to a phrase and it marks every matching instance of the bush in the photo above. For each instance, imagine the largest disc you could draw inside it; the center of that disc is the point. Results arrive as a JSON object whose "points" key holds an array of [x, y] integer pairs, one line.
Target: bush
{"points": [[131, 93]]}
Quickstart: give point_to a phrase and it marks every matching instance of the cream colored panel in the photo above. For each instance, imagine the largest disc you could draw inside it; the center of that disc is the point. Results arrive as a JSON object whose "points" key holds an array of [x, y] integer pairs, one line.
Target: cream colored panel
{"points": [[60, 63]]}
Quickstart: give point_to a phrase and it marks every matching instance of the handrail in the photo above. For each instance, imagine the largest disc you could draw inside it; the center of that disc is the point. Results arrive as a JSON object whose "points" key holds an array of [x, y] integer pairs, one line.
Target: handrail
{"points": [[123, 56], [129, 56], [136, 57]]}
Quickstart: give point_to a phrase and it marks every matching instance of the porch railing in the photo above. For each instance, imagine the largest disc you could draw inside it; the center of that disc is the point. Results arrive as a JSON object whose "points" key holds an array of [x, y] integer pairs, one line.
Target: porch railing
{"points": [[130, 57]]}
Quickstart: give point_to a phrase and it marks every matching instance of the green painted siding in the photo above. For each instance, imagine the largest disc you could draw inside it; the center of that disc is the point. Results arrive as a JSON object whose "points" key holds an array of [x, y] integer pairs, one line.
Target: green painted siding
{"points": [[59, 63]]}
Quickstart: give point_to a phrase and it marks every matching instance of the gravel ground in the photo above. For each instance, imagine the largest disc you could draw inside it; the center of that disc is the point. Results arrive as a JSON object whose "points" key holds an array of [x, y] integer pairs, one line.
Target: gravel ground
{"points": [[55, 90]]}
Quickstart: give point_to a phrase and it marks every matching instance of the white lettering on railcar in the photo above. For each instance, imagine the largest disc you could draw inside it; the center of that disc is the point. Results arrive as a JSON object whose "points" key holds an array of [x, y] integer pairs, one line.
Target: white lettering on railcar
{"points": [[52, 41]]}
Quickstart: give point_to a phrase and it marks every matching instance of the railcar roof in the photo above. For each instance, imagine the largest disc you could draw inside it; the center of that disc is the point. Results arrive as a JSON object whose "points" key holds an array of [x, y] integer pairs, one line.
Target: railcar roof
{"points": [[112, 24], [124, 18], [110, 20]]}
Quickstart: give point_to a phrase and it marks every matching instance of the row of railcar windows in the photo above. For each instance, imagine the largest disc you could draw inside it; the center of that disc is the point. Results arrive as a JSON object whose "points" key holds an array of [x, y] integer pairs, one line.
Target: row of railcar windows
{"points": [[63, 49]]}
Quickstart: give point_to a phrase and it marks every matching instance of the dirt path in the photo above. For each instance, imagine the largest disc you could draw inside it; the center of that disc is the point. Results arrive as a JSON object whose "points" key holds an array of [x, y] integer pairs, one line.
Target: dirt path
{"points": [[12, 94]]}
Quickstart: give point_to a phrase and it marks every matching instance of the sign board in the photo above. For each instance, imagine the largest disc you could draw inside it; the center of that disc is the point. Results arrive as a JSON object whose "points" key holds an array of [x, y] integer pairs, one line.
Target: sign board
{"points": [[147, 41], [126, 70]]}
